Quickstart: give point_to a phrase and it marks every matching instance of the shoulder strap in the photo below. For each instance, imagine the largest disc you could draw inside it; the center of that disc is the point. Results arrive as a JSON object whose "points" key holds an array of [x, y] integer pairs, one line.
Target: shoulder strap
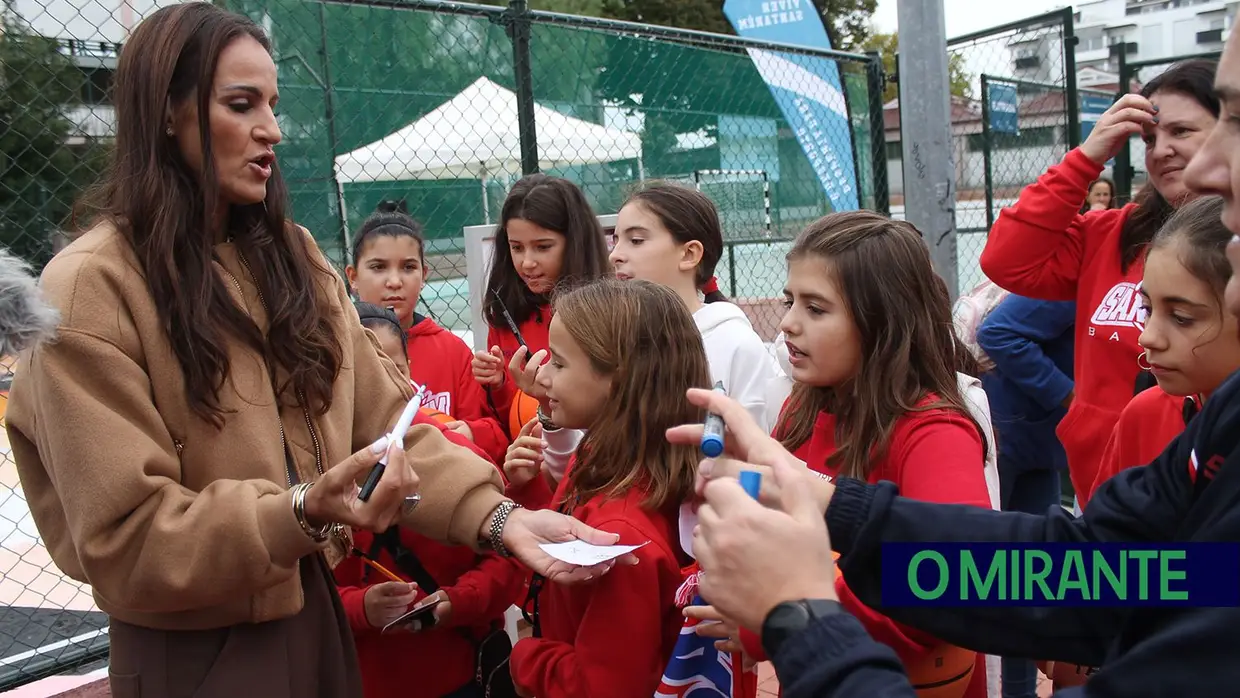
{"points": [[406, 561], [529, 609]]}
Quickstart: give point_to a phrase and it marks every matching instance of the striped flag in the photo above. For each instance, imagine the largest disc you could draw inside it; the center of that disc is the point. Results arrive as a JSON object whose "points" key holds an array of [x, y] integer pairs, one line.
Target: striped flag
{"points": [[696, 669]]}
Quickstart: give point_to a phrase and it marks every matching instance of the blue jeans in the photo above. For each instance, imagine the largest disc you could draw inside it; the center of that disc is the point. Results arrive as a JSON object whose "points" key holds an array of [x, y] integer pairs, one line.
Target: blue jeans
{"points": [[1031, 492]]}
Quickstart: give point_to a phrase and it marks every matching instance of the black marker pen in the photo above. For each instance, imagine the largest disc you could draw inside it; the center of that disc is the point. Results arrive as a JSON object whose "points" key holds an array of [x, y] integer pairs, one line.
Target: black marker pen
{"points": [[511, 324]]}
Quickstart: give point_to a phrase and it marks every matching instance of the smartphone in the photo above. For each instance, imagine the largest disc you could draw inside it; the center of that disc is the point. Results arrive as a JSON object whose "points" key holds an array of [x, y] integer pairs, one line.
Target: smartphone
{"points": [[418, 618]]}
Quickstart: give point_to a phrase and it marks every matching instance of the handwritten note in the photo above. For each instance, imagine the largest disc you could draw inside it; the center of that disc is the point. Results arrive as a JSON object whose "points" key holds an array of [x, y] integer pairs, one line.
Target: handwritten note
{"points": [[586, 554]]}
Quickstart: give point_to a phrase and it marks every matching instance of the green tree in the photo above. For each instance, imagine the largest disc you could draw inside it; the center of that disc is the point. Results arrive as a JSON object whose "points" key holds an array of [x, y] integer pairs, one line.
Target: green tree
{"points": [[702, 15], [847, 21], [888, 44], [40, 172]]}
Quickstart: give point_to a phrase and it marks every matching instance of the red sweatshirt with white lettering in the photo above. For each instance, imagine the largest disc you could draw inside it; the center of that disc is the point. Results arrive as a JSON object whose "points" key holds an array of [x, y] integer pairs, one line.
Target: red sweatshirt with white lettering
{"points": [[1041, 247], [441, 362]]}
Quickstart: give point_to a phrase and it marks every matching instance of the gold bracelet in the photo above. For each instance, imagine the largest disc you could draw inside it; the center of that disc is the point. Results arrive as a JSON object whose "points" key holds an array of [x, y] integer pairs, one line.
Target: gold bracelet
{"points": [[320, 534]]}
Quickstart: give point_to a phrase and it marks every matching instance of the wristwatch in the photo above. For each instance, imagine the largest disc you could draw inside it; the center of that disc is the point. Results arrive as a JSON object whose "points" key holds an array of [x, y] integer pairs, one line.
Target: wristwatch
{"points": [[790, 618]]}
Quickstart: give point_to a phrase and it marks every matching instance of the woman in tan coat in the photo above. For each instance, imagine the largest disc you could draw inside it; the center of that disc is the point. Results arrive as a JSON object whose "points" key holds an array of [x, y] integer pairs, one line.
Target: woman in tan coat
{"points": [[190, 443]]}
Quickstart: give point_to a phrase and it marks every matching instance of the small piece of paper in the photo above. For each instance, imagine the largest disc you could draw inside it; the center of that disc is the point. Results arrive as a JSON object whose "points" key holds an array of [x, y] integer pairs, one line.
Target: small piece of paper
{"points": [[585, 554]]}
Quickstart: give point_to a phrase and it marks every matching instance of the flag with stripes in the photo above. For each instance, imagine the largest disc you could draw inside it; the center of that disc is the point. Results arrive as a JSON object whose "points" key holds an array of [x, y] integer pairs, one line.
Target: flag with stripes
{"points": [[696, 669]]}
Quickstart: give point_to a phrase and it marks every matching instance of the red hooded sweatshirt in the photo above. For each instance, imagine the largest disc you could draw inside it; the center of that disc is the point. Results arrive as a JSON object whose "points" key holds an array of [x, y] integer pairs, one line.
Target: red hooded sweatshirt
{"points": [[440, 660], [1041, 247], [1151, 421], [611, 638], [934, 456], [534, 330], [440, 361]]}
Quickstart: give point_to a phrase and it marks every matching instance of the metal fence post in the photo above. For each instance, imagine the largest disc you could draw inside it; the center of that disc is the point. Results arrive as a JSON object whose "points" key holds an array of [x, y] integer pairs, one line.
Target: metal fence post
{"points": [[1122, 172], [929, 163], [987, 163], [329, 114], [518, 21], [1069, 41], [876, 81]]}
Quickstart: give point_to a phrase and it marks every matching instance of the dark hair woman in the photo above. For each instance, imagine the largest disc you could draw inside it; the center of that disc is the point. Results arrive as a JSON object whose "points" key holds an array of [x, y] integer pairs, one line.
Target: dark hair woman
{"points": [[1042, 247], [190, 445]]}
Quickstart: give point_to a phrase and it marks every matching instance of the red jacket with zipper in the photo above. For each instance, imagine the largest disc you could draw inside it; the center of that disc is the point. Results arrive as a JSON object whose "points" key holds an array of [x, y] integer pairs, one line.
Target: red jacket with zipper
{"points": [[1041, 247], [440, 361], [440, 660]]}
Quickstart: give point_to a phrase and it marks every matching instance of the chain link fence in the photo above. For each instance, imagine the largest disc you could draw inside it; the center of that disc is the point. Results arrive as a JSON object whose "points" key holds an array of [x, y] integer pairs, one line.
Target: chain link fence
{"points": [[56, 62], [444, 106], [1014, 112]]}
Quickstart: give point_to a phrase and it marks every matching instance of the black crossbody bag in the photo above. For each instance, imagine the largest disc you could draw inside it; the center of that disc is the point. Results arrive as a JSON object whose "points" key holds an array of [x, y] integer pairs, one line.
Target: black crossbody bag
{"points": [[491, 652]]}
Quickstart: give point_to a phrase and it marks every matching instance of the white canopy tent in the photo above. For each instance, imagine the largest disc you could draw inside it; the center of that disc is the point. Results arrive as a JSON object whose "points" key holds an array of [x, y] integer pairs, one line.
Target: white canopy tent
{"points": [[474, 135]]}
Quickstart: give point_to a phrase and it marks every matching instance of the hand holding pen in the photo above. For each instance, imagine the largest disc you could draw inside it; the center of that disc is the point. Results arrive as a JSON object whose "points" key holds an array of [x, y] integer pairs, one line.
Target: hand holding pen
{"points": [[488, 366], [390, 488], [396, 436], [334, 496]]}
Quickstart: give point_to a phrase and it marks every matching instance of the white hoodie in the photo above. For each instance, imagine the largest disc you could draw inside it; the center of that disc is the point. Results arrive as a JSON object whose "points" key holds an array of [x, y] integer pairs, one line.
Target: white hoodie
{"points": [[737, 357]]}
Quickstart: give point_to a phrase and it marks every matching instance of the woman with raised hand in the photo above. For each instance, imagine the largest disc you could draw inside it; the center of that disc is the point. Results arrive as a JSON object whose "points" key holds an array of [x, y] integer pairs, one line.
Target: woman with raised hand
{"points": [[1042, 247], [191, 444]]}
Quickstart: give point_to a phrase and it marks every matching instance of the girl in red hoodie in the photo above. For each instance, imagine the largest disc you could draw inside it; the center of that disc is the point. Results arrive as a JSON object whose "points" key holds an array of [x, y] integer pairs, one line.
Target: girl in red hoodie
{"points": [[474, 590], [388, 270], [622, 356], [548, 236], [876, 397], [1041, 247], [1189, 342]]}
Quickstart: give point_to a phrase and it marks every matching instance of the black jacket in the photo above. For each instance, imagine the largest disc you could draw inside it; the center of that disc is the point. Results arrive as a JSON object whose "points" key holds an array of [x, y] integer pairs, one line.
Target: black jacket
{"points": [[1142, 651]]}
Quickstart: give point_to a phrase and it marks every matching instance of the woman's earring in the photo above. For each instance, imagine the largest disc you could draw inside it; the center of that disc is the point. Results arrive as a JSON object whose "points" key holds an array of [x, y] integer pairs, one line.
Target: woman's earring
{"points": [[168, 130]]}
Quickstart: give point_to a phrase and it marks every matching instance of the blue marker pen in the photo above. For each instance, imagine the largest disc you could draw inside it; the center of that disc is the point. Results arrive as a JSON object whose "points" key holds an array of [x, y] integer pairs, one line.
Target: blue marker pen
{"points": [[712, 432], [751, 481]]}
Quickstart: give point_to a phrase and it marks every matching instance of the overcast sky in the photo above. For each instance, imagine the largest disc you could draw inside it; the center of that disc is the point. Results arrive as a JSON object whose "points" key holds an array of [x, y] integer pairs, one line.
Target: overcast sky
{"points": [[965, 16]]}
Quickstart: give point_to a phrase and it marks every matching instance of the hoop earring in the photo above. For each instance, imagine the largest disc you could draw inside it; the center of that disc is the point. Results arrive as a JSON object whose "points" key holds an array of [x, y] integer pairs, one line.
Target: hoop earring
{"points": [[1143, 366]]}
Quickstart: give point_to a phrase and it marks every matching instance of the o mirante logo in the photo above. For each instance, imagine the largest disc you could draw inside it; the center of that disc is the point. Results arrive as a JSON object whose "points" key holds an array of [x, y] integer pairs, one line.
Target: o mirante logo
{"points": [[1029, 574]]}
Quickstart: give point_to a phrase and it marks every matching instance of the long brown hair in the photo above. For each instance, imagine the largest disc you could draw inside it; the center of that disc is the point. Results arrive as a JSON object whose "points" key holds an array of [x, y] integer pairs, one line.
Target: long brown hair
{"points": [[167, 211], [558, 205], [643, 337], [909, 349]]}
